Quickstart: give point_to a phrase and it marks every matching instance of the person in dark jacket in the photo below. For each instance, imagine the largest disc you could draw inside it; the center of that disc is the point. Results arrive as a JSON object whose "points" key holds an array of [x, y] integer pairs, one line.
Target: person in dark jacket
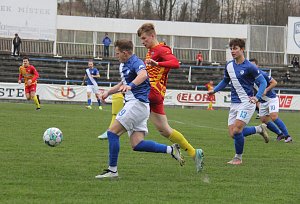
{"points": [[16, 42]]}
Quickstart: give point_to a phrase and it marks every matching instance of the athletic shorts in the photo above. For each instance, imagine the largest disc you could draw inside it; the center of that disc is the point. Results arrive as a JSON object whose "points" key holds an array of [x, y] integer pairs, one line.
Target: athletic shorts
{"points": [[271, 106], [156, 102], [134, 116], [31, 88], [241, 111], [92, 88]]}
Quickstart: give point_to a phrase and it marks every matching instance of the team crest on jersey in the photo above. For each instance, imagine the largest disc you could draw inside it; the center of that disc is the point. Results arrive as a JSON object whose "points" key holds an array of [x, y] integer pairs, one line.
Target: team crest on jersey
{"points": [[297, 33], [242, 72]]}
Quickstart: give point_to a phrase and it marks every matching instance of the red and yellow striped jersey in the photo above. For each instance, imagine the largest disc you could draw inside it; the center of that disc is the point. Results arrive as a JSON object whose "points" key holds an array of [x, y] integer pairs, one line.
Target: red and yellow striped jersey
{"points": [[158, 75], [28, 73]]}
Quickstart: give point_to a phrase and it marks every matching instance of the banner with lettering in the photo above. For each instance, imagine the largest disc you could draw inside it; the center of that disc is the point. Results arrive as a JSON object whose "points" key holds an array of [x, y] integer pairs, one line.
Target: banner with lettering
{"points": [[33, 19], [74, 93]]}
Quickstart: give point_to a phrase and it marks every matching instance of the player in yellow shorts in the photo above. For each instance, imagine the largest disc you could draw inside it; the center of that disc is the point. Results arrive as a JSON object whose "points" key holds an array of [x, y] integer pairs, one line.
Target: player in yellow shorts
{"points": [[117, 105]]}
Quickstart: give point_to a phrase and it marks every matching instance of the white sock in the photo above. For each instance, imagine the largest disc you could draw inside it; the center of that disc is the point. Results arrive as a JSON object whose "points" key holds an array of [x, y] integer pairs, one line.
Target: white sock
{"points": [[169, 149], [239, 156], [113, 168], [258, 129]]}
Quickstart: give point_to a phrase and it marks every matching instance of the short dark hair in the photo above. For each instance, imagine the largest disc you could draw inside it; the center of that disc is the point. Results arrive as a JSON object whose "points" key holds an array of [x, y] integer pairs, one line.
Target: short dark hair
{"points": [[254, 60], [25, 57], [124, 45], [237, 42]]}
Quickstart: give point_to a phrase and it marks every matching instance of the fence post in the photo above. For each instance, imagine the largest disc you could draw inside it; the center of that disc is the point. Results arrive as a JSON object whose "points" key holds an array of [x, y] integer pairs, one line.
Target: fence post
{"points": [[66, 71], [108, 67], [190, 75]]}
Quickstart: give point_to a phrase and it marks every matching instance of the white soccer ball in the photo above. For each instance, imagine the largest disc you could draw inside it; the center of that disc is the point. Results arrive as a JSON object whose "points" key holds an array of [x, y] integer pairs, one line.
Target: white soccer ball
{"points": [[53, 136]]}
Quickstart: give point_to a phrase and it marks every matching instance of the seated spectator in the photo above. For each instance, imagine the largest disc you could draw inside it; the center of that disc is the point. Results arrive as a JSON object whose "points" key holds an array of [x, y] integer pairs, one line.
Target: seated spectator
{"points": [[199, 59], [286, 77], [295, 62]]}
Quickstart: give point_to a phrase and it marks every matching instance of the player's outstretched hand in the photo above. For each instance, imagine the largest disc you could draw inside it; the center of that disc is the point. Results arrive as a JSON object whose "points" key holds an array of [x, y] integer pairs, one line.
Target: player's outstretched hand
{"points": [[124, 88], [19, 81], [253, 99], [103, 95]]}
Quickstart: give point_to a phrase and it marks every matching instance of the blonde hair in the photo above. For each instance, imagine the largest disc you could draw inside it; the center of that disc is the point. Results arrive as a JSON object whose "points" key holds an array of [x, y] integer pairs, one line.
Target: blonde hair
{"points": [[147, 28]]}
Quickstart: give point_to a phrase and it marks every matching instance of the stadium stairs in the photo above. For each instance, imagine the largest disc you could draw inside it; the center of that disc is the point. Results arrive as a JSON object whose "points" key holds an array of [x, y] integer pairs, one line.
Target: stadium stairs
{"points": [[53, 69]]}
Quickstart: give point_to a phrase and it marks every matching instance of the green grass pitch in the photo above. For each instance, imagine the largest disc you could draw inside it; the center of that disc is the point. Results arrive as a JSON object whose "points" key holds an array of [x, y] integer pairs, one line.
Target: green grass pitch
{"points": [[32, 172]]}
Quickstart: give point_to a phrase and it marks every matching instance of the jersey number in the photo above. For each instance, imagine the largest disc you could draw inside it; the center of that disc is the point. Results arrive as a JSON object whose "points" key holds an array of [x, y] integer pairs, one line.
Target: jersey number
{"points": [[272, 107], [243, 114]]}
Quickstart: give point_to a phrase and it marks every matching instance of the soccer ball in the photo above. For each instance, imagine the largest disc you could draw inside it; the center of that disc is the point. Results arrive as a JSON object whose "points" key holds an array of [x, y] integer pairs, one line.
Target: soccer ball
{"points": [[53, 136]]}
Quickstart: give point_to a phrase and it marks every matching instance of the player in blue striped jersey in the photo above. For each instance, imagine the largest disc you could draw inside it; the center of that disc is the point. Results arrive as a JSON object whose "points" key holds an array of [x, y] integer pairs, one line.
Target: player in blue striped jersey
{"points": [[92, 74], [269, 108], [242, 75], [135, 113]]}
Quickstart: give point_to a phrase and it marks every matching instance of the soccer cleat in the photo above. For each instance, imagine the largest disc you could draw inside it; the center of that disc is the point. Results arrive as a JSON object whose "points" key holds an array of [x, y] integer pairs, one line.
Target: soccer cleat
{"points": [[107, 174], [280, 137], [176, 154], [264, 132], [257, 117], [38, 109], [88, 107], [288, 139], [103, 136], [100, 107], [235, 161], [199, 159]]}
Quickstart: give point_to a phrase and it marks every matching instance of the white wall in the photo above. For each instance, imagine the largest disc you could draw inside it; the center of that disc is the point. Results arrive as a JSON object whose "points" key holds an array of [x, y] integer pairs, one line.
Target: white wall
{"points": [[162, 27]]}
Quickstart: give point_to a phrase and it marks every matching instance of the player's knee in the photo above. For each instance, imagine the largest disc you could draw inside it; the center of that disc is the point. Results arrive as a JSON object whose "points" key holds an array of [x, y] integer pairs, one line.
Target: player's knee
{"points": [[273, 117]]}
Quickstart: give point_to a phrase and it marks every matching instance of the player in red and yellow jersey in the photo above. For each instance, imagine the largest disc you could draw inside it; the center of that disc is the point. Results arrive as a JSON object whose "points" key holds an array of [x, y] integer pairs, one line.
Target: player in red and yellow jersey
{"points": [[159, 61], [210, 87], [30, 75]]}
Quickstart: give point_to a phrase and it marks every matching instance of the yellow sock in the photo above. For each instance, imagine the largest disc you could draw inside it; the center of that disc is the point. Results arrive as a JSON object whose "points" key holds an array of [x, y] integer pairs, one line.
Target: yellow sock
{"points": [[210, 105], [36, 101], [177, 137], [117, 105]]}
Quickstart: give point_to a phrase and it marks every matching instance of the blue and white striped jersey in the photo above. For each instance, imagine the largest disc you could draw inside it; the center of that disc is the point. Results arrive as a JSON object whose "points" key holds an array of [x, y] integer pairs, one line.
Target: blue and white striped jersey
{"points": [[93, 71], [129, 71], [242, 77], [270, 94]]}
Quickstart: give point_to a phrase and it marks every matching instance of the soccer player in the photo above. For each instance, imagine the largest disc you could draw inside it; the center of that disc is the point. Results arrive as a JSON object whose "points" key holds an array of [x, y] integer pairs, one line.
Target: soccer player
{"points": [[159, 61], [91, 74], [117, 105], [269, 108], [30, 75], [134, 116], [242, 75], [210, 86]]}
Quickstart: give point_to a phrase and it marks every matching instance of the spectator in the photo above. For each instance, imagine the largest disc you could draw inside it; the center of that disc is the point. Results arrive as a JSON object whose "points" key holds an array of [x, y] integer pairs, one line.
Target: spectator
{"points": [[295, 62], [211, 97], [286, 77], [106, 41], [199, 59], [16, 42]]}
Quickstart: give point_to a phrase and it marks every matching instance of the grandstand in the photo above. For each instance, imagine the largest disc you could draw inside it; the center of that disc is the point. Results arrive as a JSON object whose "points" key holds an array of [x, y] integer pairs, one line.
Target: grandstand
{"points": [[71, 71]]}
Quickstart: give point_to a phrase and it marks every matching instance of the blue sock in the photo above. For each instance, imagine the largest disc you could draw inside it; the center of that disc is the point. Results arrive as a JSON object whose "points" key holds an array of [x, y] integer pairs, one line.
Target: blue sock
{"points": [[249, 130], [239, 143], [99, 102], [281, 126], [150, 146], [89, 102], [271, 126], [114, 148]]}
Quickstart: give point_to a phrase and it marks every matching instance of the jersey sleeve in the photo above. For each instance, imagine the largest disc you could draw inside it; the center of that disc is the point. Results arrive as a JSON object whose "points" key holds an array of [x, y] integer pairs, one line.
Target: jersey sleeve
{"points": [[35, 73], [20, 73], [168, 59], [254, 71], [138, 66]]}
